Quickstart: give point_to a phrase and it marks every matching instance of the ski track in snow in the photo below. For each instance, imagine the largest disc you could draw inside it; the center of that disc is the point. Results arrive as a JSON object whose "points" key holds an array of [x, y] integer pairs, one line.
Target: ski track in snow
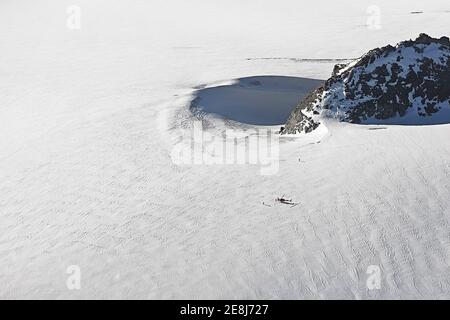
{"points": [[87, 127]]}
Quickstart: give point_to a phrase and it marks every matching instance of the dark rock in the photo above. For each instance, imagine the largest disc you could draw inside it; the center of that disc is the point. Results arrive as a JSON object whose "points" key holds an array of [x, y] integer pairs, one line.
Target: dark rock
{"points": [[338, 68], [382, 84]]}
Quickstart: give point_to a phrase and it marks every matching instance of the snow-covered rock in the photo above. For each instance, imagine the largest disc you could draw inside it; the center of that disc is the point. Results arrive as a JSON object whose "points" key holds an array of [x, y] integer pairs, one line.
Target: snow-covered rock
{"points": [[405, 84]]}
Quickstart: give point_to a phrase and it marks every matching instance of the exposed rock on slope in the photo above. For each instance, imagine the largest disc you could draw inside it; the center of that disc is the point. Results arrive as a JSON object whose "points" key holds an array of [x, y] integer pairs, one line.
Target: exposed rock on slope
{"points": [[409, 82]]}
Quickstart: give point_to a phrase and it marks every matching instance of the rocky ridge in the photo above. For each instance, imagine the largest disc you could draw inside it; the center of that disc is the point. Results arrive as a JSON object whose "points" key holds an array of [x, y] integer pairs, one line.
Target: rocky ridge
{"points": [[408, 81]]}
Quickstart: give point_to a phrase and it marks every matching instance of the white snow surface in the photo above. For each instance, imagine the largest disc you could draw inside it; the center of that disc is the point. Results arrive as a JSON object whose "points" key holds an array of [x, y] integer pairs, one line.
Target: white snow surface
{"points": [[88, 119]]}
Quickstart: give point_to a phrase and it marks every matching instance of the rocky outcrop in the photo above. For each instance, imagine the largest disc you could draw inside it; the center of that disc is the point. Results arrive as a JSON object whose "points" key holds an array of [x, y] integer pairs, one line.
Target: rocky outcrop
{"points": [[411, 79]]}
